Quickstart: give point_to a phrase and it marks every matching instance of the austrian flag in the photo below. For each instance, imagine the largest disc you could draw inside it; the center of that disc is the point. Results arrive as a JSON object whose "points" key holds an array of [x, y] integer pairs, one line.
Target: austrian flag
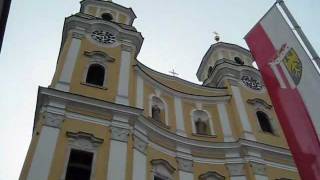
{"points": [[293, 84]]}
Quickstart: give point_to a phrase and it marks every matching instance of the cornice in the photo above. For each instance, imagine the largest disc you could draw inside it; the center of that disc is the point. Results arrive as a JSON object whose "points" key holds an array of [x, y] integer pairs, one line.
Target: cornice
{"points": [[87, 23], [178, 93]]}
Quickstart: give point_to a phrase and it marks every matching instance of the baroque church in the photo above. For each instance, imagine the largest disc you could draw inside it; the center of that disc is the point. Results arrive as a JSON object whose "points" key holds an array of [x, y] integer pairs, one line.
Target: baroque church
{"points": [[107, 116]]}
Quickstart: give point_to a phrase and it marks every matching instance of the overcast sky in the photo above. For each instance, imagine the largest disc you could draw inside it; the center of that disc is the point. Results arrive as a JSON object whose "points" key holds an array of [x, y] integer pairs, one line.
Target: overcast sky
{"points": [[177, 34]]}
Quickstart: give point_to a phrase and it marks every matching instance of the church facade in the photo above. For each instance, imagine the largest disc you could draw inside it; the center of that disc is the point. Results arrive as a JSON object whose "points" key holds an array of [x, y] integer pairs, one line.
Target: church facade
{"points": [[107, 116]]}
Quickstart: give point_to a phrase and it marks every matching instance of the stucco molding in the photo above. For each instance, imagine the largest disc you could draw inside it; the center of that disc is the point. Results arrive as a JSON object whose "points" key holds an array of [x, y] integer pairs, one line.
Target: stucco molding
{"points": [[236, 169], [53, 120], [84, 141], [185, 165], [258, 103], [119, 134], [211, 175], [156, 166], [258, 168], [140, 145]]}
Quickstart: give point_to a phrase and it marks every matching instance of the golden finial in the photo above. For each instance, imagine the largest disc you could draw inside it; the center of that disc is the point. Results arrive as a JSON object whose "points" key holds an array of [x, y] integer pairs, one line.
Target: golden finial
{"points": [[217, 36]]}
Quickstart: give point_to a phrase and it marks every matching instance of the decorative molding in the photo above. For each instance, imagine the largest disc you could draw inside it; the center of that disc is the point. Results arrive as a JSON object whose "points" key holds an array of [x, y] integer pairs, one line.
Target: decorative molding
{"points": [[157, 162], [258, 168], [53, 120], [99, 55], [77, 35], [185, 165], [235, 169], [211, 175], [119, 134], [125, 47], [85, 141], [259, 102], [140, 145]]}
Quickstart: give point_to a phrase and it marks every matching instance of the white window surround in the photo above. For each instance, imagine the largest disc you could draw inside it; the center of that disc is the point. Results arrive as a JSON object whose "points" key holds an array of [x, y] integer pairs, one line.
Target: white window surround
{"points": [[207, 120], [83, 142], [261, 105], [165, 108], [100, 58], [211, 175], [162, 169]]}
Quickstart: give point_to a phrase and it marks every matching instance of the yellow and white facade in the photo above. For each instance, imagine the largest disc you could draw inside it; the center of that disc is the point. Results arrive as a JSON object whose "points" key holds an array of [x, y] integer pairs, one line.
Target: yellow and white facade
{"points": [[139, 124]]}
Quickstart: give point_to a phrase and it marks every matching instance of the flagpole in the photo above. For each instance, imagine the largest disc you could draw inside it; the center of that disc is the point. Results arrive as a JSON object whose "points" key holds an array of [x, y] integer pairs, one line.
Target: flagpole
{"points": [[303, 37]]}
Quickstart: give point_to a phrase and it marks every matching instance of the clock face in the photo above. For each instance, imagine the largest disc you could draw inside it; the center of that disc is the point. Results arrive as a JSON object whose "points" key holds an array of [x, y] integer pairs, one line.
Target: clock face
{"points": [[103, 37], [251, 82]]}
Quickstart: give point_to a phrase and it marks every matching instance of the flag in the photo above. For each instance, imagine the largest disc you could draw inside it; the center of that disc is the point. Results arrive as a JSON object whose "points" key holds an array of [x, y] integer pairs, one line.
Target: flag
{"points": [[293, 84]]}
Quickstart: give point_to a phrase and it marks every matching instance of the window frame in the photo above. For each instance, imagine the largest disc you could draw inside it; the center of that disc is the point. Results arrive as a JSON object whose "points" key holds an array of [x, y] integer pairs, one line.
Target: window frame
{"points": [[209, 123], [166, 113], [83, 142]]}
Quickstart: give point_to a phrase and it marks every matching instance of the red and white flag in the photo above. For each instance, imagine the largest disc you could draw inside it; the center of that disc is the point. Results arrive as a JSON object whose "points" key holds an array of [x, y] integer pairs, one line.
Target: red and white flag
{"points": [[293, 84]]}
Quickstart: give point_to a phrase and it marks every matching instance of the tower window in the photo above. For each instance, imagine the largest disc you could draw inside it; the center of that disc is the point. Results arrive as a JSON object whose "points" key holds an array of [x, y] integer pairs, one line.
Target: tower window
{"points": [[201, 123], [79, 165], [95, 75], [107, 17], [264, 122], [156, 112], [239, 60]]}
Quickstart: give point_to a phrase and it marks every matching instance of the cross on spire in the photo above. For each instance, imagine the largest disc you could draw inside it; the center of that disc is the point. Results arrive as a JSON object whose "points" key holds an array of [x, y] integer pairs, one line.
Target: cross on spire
{"points": [[173, 73]]}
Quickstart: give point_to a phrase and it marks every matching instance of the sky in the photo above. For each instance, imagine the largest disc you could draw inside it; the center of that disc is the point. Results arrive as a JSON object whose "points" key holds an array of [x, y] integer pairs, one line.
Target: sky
{"points": [[177, 34]]}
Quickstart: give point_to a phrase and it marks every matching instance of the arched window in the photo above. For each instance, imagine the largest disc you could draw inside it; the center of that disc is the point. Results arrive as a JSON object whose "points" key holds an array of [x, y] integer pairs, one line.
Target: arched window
{"points": [[264, 122], [238, 60], [210, 71], [158, 109], [201, 123], [107, 17], [95, 75]]}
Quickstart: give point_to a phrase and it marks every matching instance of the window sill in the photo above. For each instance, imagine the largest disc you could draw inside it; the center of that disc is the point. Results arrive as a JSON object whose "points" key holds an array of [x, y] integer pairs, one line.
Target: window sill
{"points": [[203, 135], [93, 85], [269, 133], [159, 123]]}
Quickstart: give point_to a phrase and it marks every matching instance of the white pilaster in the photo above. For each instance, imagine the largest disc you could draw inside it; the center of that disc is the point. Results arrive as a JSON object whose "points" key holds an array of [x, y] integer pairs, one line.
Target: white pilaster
{"points": [[236, 172], [244, 119], [139, 160], [259, 171], [225, 123], [123, 87], [179, 116], [185, 163], [44, 152], [118, 153], [140, 92], [70, 62]]}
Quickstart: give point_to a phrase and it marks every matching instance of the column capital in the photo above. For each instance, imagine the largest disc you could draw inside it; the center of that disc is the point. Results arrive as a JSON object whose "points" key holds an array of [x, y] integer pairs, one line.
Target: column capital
{"points": [[236, 169], [140, 145], [53, 120], [77, 34], [119, 134], [185, 164], [257, 168]]}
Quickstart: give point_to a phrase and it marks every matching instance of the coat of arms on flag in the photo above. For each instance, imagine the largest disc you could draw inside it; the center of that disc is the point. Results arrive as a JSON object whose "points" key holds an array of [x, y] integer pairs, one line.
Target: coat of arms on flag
{"points": [[293, 65]]}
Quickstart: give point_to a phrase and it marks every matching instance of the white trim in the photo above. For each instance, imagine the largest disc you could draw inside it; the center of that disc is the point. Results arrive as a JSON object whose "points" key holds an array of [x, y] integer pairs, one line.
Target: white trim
{"points": [[68, 66], [139, 166], [185, 175], [179, 116], [44, 152], [225, 123], [123, 88], [117, 160], [244, 119], [140, 92]]}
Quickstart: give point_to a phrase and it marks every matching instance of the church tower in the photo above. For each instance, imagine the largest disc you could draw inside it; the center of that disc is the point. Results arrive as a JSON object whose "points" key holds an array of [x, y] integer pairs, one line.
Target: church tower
{"points": [[106, 115]]}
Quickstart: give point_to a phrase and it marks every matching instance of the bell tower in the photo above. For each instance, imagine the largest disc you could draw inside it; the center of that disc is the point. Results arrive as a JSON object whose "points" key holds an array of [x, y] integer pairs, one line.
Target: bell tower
{"points": [[228, 62], [98, 41]]}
